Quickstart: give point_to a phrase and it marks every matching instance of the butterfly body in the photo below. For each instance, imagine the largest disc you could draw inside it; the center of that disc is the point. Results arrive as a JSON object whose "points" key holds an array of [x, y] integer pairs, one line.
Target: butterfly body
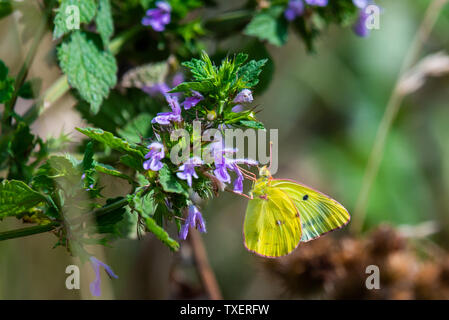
{"points": [[282, 213]]}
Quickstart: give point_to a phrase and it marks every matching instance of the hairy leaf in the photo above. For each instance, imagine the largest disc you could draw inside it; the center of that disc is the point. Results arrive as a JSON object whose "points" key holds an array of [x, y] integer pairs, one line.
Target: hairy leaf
{"points": [[16, 197], [65, 15], [269, 25], [169, 181], [111, 141], [91, 71], [105, 25], [161, 234]]}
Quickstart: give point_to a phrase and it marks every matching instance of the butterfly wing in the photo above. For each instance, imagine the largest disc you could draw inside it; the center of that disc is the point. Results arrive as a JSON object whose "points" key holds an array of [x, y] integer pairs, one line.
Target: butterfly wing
{"points": [[272, 225], [319, 213]]}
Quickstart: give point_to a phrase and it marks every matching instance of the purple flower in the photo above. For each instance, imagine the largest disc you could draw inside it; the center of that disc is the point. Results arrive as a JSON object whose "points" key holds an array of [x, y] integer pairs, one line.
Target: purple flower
{"points": [[194, 219], [164, 118], [95, 286], [223, 164], [158, 88], [359, 27], [319, 3], [244, 96], [295, 8], [154, 156], [361, 3], [192, 101], [188, 170], [237, 108], [158, 17], [163, 88]]}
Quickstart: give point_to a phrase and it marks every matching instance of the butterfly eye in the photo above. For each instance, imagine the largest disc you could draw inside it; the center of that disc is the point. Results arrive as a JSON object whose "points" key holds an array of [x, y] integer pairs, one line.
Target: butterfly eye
{"points": [[305, 197]]}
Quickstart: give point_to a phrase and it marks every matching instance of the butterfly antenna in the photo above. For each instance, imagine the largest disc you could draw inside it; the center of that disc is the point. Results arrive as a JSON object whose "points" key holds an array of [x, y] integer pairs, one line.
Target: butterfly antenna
{"points": [[248, 174]]}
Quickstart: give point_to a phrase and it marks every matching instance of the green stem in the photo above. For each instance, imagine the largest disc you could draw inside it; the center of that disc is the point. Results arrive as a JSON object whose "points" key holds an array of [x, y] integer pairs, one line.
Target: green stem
{"points": [[23, 232], [22, 75]]}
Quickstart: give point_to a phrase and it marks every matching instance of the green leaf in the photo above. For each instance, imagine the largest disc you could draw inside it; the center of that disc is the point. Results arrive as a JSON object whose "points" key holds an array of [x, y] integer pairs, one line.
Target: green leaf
{"points": [[6, 84], [5, 8], [251, 124], [30, 89], [203, 87], [249, 73], [108, 222], [65, 16], [88, 159], [269, 25], [91, 71], [111, 141], [105, 25], [16, 197], [145, 204], [169, 182], [137, 128], [109, 170], [161, 234], [201, 69], [131, 162]]}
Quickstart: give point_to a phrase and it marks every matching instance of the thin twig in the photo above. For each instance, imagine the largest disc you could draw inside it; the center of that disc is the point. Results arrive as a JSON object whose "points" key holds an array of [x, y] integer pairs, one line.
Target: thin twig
{"points": [[205, 271], [390, 113]]}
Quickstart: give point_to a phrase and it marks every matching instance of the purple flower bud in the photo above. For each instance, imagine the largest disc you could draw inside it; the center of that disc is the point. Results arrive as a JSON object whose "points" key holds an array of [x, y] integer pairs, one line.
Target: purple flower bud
{"points": [[295, 8], [158, 17], [188, 170], [95, 286], [319, 3], [244, 96], [194, 219], [155, 155], [192, 101], [164, 118]]}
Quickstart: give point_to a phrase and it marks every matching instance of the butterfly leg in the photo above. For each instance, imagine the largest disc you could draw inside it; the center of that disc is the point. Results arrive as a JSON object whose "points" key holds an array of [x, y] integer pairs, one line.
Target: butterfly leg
{"points": [[250, 197]]}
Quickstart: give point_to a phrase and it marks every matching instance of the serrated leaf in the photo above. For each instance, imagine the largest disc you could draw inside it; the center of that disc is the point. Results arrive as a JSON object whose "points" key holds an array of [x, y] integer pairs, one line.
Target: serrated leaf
{"points": [[111, 171], [65, 16], [249, 73], [105, 25], [16, 197], [90, 70], [161, 234], [111, 141], [169, 181], [269, 25]]}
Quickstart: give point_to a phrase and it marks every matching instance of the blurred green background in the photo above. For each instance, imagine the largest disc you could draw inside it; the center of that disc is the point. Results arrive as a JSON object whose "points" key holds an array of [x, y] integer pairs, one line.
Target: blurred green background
{"points": [[327, 107]]}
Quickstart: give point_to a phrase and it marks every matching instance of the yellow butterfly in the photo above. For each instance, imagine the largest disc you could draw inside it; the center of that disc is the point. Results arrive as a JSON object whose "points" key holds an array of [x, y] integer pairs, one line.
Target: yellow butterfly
{"points": [[281, 213]]}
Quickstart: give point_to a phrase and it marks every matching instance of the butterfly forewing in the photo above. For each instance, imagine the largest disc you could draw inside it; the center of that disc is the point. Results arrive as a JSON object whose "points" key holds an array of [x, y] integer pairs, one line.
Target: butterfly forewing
{"points": [[272, 225], [319, 213]]}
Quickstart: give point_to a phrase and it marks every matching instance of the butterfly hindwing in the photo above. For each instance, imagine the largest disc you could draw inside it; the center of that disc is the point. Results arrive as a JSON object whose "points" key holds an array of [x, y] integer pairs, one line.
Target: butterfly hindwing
{"points": [[272, 225], [319, 213]]}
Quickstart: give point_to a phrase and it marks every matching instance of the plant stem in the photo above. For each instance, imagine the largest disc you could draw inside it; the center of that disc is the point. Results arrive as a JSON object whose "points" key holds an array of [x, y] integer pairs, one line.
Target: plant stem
{"points": [[23, 232], [393, 106], [22, 75], [205, 271]]}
